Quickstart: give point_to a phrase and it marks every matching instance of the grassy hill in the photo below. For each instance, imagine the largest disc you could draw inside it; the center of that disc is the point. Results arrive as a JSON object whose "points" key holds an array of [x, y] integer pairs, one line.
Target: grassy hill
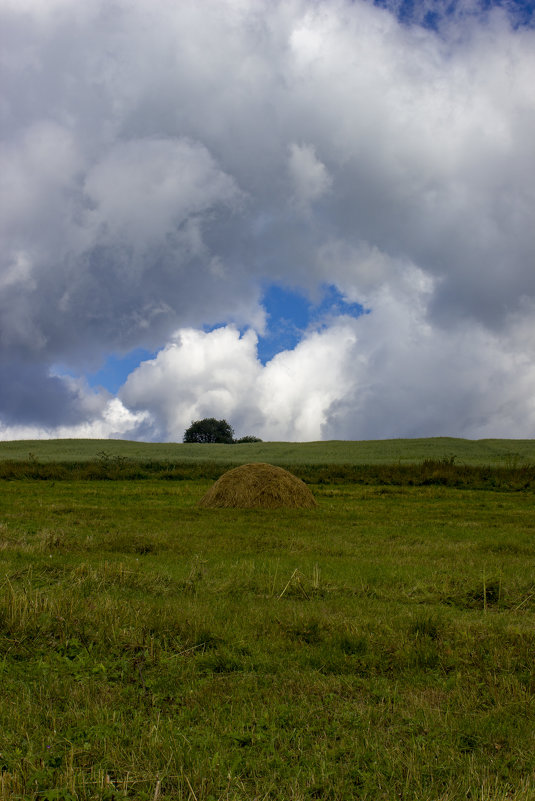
{"points": [[498, 452]]}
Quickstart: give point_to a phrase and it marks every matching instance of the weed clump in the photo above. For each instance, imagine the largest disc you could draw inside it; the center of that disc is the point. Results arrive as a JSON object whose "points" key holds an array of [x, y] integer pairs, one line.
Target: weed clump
{"points": [[258, 486]]}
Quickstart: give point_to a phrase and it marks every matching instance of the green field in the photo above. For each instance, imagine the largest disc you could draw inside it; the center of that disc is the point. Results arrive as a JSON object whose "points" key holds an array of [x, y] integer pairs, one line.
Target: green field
{"points": [[379, 647], [485, 451]]}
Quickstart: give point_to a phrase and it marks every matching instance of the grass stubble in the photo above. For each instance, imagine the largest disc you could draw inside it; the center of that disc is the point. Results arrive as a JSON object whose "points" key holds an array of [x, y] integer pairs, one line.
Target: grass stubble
{"points": [[378, 647]]}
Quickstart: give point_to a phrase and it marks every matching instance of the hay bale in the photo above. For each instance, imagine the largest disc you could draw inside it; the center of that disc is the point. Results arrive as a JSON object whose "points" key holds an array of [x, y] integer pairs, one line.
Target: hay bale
{"points": [[258, 486]]}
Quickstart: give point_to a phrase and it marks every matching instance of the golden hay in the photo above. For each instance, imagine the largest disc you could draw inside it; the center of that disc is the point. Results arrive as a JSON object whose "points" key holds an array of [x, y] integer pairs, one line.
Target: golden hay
{"points": [[258, 486]]}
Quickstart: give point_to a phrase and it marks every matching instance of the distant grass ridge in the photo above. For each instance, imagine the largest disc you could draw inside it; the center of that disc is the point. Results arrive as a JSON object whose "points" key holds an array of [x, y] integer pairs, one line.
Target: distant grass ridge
{"points": [[498, 452]]}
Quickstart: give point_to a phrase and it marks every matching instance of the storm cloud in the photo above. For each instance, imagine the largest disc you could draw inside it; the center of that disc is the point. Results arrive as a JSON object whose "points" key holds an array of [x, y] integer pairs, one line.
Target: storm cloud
{"points": [[163, 163]]}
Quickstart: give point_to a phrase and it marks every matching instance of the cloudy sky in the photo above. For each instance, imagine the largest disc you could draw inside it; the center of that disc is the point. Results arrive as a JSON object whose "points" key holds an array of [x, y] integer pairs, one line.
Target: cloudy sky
{"points": [[312, 218]]}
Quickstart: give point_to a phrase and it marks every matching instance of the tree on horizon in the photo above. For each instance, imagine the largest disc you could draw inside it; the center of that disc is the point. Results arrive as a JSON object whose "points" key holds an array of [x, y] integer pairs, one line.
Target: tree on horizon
{"points": [[209, 430]]}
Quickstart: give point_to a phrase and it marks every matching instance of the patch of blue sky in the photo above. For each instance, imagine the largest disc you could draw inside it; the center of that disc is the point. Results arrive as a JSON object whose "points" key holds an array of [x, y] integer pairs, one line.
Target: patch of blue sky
{"points": [[116, 369], [521, 12], [290, 314]]}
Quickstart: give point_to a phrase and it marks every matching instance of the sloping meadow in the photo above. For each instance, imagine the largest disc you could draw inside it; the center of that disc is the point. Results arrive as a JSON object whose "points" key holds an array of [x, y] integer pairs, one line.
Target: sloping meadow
{"points": [[378, 646]]}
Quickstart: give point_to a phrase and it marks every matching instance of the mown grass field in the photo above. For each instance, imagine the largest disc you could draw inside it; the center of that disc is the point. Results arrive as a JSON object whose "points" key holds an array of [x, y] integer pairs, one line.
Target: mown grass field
{"points": [[379, 647]]}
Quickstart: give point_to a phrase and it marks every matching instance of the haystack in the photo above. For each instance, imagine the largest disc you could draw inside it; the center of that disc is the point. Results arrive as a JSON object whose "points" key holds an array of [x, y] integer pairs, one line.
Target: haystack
{"points": [[258, 486]]}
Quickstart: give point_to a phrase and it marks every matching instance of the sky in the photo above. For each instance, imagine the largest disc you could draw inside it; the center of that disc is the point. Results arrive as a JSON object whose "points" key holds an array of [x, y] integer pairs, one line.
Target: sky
{"points": [[311, 218]]}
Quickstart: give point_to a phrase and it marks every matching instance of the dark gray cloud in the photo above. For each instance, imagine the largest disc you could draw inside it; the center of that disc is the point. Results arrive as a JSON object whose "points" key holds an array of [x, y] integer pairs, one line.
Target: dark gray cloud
{"points": [[29, 395], [161, 161]]}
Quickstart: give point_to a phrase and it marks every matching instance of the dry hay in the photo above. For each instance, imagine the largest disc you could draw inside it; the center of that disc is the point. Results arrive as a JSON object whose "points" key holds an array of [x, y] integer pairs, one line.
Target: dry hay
{"points": [[258, 486]]}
